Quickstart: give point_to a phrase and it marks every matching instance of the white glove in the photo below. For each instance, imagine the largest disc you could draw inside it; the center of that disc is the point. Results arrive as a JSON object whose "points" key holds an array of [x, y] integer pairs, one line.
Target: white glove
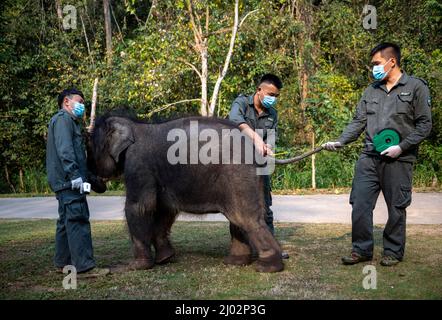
{"points": [[332, 145], [392, 152], [77, 184]]}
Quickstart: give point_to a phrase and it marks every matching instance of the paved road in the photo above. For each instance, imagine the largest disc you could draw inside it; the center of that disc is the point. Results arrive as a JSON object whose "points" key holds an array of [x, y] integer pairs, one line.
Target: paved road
{"points": [[426, 208]]}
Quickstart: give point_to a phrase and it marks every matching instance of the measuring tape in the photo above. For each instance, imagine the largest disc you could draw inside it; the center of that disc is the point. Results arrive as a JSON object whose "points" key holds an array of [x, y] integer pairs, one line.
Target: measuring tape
{"points": [[385, 139]]}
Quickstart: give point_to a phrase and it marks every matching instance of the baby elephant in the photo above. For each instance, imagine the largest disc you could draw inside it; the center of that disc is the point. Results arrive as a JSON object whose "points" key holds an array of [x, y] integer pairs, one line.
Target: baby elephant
{"points": [[166, 171]]}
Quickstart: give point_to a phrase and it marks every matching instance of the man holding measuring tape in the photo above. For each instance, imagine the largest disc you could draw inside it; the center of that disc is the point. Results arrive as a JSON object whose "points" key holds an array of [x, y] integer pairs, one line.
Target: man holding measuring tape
{"points": [[395, 114]]}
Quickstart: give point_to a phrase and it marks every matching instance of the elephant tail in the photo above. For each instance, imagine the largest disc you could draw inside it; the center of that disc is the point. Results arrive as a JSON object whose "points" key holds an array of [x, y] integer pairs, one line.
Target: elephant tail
{"points": [[298, 158]]}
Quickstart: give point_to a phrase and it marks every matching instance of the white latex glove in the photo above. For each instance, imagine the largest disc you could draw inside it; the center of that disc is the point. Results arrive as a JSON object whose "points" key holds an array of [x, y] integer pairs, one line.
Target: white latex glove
{"points": [[332, 145], [392, 152], [77, 184]]}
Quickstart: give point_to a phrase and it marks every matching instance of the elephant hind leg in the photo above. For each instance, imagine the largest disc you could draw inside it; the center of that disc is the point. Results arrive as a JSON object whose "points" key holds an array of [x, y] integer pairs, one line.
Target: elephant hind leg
{"points": [[240, 251], [163, 221], [269, 251], [260, 237]]}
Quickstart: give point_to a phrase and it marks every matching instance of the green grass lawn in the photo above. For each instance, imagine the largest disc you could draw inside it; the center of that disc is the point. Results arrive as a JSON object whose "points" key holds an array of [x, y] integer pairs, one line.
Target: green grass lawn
{"points": [[313, 271]]}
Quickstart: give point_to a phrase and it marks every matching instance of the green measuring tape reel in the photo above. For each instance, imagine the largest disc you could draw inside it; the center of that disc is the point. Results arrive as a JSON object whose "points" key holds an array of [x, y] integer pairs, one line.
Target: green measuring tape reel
{"points": [[385, 139]]}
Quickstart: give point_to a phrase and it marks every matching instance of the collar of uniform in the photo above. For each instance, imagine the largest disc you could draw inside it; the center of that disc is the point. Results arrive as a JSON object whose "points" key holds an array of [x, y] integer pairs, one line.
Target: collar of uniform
{"points": [[404, 78], [68, 113], [382, 84], [252, 105], [250, 98]]}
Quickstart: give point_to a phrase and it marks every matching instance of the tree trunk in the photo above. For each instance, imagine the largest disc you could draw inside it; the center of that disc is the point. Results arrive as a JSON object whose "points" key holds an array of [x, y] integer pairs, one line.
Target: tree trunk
{"points": [[108, 30], [59, 13], [204, 76], [304, 94], [302, 13], [86, 38], [94, 106], [313, 163], [226, 62], [8, 180], [22, 185]]}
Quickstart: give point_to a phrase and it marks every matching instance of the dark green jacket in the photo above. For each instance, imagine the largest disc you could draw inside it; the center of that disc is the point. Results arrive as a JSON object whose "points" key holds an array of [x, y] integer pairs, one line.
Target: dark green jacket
{"points": [[405, 108], [243, 111], [65, 152]]}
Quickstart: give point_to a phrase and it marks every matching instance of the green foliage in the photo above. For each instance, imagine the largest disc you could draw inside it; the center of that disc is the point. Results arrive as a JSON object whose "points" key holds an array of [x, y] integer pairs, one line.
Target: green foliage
{"points": [[152, 50]]}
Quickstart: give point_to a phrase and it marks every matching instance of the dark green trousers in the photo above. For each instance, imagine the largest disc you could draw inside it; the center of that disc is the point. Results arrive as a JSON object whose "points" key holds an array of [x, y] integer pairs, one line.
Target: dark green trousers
{"points": [[268, 202], [394, 178], [73, 240]]}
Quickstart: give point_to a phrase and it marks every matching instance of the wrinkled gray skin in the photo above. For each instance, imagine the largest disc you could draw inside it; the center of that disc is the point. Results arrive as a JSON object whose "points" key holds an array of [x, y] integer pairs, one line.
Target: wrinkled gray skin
{"points": [[156, 191]]}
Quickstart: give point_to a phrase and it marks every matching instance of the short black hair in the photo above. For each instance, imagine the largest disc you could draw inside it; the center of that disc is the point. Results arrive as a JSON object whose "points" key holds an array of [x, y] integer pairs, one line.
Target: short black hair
{"points": [[271, 79], [388, 50], [66, 93]]}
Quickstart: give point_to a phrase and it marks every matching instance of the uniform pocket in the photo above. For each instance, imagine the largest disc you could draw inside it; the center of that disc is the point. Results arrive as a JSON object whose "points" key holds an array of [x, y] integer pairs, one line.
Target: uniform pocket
{"points": [[351, 200], [404, 197], [372, 110], [77, 210], [372, 106], [403, 104], [268, 124]]}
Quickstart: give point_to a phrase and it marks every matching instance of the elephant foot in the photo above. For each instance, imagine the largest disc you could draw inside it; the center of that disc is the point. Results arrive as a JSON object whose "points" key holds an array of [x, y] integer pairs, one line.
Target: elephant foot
{"points": [[141, 264], [270, 264], [242, 260], [164, 255]]}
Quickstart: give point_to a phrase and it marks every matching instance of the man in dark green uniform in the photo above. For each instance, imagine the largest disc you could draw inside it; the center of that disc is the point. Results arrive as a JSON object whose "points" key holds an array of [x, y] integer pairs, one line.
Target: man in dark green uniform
{"points": [[67, 171], [395, 101], [257, 112]]}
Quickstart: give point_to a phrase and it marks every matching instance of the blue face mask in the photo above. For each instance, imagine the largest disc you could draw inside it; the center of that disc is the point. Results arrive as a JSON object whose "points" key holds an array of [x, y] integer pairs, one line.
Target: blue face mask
{"points": [[379, 72], [268, 101], [78, 110]]}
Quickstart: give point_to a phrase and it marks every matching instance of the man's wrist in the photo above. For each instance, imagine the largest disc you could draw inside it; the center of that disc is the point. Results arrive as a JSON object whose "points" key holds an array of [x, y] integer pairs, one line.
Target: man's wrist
{"points": [[341, 142], [404, 145]]}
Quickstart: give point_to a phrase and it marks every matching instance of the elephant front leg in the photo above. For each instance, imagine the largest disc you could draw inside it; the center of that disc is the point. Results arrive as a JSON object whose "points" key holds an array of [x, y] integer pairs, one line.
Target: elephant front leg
{"points": [[240, 251], [140, 229]]}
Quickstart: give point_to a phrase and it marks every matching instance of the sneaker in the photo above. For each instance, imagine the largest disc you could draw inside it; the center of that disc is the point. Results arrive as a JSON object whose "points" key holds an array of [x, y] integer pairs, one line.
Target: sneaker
{"points": [[93, 273], [389, 261], [355, 258], [285, 255]]}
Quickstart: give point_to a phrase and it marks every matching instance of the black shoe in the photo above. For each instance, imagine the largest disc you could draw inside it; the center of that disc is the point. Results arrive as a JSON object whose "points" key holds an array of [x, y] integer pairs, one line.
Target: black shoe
{"points": [[355, 258], [285, 255], [389, 261]]}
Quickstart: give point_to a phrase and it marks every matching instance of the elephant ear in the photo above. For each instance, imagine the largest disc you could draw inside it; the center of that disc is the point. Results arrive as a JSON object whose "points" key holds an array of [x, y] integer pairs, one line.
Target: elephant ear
{"points": [[120, 139]]}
